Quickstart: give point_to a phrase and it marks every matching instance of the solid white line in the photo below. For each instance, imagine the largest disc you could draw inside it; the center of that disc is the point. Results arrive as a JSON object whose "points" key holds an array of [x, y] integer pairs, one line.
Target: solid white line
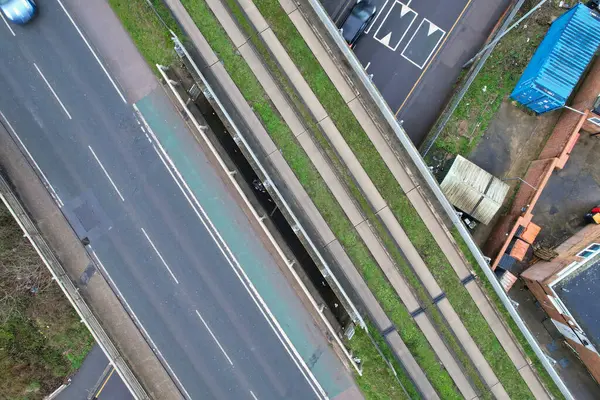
{"points": [[253, 395], [93, 52], [214, 337], [52, 90], [432, 50], [106, 173], [7, 25], [46, 181], [160, 256], [236, 267], [138, 322]]}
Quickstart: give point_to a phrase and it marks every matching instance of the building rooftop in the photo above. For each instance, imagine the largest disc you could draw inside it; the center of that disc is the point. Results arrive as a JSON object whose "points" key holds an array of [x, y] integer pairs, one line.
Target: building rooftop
{"points": [[580, 292], [474, 190]]}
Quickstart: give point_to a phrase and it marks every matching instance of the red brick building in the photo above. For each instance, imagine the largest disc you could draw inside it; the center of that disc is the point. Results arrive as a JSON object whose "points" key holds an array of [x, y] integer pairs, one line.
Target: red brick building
{"points": [[568, 288]]}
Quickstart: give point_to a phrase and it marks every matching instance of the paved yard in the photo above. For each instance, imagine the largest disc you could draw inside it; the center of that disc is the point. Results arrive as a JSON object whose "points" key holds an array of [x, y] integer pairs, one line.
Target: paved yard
{"points": [[415, 51], [570, 193]]}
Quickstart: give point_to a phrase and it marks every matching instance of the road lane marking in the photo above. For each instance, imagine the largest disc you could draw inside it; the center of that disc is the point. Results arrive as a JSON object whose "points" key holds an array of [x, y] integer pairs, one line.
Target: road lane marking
{"points": [[106, 173], [7, 25], [368, 65], [395, 26], [138, 323], [52, 90], [160, 256], [53, 192], [376, 17], [214, 337], [237, 269], [253, 395], [104, 383], [432, 30], [433, 57], [93, 52]]}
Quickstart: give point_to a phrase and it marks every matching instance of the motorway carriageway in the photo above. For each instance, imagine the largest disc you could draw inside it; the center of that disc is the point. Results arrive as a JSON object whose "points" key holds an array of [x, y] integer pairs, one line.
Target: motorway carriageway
{"points": [[181, 255]]}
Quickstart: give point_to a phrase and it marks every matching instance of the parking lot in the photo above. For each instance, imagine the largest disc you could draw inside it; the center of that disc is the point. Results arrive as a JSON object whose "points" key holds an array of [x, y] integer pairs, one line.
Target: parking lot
{"points": [[415, 51]]}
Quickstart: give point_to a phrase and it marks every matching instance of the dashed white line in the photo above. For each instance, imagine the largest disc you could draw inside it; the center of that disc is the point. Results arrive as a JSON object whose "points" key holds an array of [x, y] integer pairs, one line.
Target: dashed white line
{"points": [[368, 65], [52, 90], [7, 25], [253, 395], [234, 264], [139, 324], [106, 173], [160, 256], [53, 192], [214, 337], [93, 52]]}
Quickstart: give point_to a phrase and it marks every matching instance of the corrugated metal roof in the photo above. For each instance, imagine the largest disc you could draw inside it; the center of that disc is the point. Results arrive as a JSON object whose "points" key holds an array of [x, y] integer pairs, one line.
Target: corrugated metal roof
{"points": [[560, 60], [473, 190]]}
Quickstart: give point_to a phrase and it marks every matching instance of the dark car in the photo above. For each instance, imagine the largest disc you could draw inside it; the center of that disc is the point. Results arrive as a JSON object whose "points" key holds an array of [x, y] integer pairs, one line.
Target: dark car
{"points": [[18, 11], [359, 19]]}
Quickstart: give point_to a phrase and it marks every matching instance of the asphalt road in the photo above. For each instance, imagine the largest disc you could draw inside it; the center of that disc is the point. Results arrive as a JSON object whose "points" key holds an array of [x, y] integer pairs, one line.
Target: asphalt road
{"points": [[112, 182], [96, 379], [415, 51]]}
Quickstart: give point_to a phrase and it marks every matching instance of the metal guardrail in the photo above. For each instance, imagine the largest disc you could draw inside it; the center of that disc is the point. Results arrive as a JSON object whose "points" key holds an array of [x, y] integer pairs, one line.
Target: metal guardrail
{"points": [[354, 314], [17, 210], [258, 218], [433, 185]]}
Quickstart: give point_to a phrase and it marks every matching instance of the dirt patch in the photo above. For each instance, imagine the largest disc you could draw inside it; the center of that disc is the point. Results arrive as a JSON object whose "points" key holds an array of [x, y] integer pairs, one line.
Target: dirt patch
{"points": [[42, 340], [514, 138]]}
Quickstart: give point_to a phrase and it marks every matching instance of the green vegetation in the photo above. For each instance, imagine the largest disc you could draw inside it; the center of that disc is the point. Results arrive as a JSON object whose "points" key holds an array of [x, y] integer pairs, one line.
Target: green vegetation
{"points": [[401, 207], [148, 33], [377, 379], [371, 161], [317, 189], [493, 84], [42, 340]]}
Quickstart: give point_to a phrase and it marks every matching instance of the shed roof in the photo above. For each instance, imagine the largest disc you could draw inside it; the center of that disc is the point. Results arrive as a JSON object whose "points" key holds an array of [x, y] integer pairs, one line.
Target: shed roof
{"points": [[474, 190]]}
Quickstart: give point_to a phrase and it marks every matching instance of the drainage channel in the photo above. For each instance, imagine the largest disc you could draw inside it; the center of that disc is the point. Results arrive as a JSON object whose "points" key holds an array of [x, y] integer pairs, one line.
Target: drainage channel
{"points": [[308, 268]]}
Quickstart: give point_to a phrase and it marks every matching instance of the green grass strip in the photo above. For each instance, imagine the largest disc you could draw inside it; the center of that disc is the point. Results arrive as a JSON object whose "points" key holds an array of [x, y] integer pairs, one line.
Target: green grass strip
{"points": [[317, 189], [392, 193], [148, 33], [312, 126], [377, 381]]}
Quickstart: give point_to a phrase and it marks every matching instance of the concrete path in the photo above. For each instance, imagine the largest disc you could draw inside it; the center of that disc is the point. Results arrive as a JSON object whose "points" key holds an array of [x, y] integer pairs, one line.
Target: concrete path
{"points": [[417, 197], [269, 148]]}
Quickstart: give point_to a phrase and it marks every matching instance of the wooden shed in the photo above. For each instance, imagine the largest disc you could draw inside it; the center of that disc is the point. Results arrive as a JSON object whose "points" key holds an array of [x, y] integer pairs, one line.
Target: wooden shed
{"points": [[473, 190]]}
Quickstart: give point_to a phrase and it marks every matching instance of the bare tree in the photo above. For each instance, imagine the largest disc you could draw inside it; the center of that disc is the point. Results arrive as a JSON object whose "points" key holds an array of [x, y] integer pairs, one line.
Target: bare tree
{"points": [[22, 273]]}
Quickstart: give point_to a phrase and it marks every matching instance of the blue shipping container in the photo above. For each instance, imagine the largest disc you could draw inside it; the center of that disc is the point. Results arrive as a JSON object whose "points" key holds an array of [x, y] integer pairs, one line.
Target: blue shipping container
{"points": [[559, 61]]}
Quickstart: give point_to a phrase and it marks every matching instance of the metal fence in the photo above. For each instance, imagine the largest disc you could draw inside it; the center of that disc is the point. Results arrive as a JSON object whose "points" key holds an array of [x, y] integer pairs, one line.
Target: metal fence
{"points": [[431, 182]]}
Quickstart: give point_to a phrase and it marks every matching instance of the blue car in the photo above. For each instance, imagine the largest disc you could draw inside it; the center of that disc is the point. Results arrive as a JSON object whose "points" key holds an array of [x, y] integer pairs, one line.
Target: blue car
{"points": [[18, 11]]}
